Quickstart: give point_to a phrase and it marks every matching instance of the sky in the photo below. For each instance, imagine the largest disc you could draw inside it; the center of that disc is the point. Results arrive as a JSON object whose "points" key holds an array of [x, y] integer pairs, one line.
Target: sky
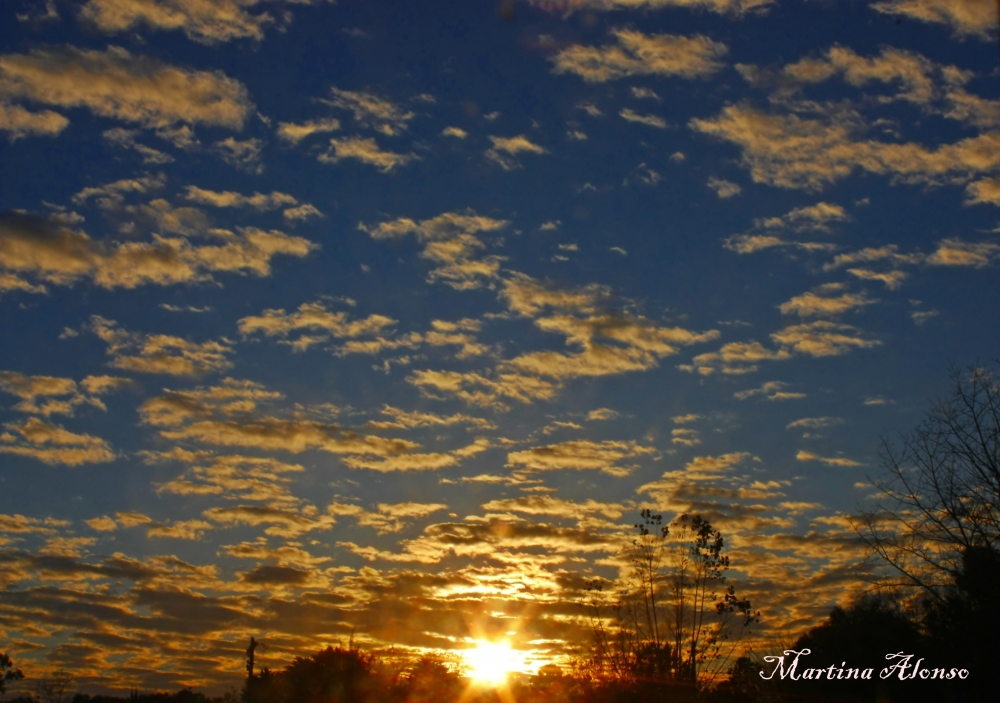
{"points": [[389, 318]]}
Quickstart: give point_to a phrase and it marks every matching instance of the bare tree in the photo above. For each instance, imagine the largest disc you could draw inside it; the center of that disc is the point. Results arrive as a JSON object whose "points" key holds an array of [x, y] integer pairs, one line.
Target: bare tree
{"points": [[55, 688], [673, 619], [939, 497]]}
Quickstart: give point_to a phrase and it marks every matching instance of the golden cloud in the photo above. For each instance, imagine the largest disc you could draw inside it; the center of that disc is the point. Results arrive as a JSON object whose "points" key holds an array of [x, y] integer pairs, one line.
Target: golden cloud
{"points": [[19, 122], [53, 444], [294, 133], [822, 338], [637, 54], [547, 505], [451, 242], [115, 83], [721, 7], [813, 303], [160, 353], [388, 518], [366, 151], [476, 389], [648, 120], [965, 17], [204, 22], [312, 317], [580, 455], [511, 146], [793, 152], [371, 111], [56, 254], [830, 461]]}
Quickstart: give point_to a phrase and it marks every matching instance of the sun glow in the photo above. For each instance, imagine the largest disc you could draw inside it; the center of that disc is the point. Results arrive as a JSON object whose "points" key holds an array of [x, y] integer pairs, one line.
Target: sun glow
{"points": [[491, 662]]}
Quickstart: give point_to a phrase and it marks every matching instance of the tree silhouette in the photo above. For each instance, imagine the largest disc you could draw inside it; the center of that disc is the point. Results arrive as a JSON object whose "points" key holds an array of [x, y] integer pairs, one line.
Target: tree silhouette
{"points": [[55, 688], [859, 636], [8, 673], [673, 620], [430, 680], [940, 494]]}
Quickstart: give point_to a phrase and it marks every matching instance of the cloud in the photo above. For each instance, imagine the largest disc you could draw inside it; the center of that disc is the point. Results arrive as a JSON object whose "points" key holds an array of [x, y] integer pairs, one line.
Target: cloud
{"points": [[935, 88], [454, 132], [160, 353], [233, 477], [231, 396], [752, 243], [312, 317], [371, 111], [402, 419], [650, 120], [261, 202], [814, 218], [366, 151], [413, 461], [110, 195], [984, 191], [479, 390], [19, 122], [644, 94], [203, 22], [496, 535], [955, 252], [814, 423], [772, 390], [227, 416], [684, 436], [965, 17], [527, 296], [53, 444], [102, 524], [281, 522], [53, 253], [608, 342], [891, 279], [708, 485], [822, 338], [242, 155], [30, 388], [506, 148], [181, 529], [293, 133], [813, 303], [389, 518], [829, 461], [792, 152], [134, 88], [579, 456], [807, 218], [888, 253], [722, 7], [442, 333], [637, 54], [19, 524], [723, 188], [685, 419], [547, 505], [451, 242], [125, 138]]}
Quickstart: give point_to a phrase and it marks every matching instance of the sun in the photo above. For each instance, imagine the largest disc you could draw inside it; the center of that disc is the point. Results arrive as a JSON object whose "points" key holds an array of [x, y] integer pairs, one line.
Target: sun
{"points": [[491, 662]]}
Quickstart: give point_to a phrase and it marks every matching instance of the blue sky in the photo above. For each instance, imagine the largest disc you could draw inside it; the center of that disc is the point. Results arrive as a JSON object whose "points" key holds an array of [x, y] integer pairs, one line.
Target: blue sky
{"points": [[392, 316]]}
